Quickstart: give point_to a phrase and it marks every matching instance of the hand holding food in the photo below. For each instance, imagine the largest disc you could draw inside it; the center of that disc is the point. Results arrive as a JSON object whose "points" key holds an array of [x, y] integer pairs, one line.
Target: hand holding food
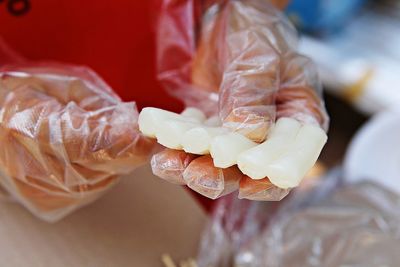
{"points": [[272, 120]]}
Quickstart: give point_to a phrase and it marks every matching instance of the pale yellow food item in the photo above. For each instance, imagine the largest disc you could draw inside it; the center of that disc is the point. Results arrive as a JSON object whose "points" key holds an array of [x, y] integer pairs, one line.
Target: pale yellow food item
{"points": [[288, 153], [225, 149]]}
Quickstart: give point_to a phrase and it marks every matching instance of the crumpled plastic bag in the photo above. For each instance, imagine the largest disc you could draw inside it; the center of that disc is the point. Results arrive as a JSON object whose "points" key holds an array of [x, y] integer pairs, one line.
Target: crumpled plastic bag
{"points": [[237, 60], [65, 136], [328, 225]]}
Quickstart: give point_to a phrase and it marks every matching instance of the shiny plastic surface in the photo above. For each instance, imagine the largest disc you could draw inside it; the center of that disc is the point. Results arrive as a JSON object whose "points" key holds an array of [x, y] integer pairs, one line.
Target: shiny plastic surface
{"points": [[329, 225], [237, 60], [65, 136]]}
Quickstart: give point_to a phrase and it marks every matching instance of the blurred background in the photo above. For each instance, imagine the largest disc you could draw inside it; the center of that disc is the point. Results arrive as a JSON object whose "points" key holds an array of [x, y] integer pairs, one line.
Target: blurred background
{"points": [[356, 46]]}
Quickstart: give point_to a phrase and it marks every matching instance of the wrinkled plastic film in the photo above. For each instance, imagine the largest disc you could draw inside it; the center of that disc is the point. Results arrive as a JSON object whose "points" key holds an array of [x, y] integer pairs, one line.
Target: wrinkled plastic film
{"points": [[326, 225], [177, 28], [251, 46], [260, 190], [236, 59], [231, 237], [66, 137], [300, 93], [244, 51], [234, 224], [260, 65], [170, 164], [204, 178], [356, 226]]}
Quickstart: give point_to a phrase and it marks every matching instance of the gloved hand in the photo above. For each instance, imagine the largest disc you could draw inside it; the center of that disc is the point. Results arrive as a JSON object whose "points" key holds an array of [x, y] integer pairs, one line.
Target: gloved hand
{"points": [[66, 137], [244, 68]]}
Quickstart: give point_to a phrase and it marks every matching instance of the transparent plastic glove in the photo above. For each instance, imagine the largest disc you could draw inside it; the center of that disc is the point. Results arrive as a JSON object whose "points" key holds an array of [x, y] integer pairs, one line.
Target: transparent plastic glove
{"points": [[326, 223], [239, 63], [65, 137]]}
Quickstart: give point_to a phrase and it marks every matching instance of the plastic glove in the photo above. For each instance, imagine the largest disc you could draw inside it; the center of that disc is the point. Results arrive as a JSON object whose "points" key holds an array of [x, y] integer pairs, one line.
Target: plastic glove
{"points": [[245, 69], [66, 137]]}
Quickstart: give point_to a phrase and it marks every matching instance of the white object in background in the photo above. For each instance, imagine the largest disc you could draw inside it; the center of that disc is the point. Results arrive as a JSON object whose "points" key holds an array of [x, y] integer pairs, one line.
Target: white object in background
{"points": [[374, 153], [362, 63]]}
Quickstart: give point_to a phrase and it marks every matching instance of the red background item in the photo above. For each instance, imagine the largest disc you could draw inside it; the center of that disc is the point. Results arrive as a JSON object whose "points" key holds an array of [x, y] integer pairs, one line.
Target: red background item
{"points": [[115, 38]]}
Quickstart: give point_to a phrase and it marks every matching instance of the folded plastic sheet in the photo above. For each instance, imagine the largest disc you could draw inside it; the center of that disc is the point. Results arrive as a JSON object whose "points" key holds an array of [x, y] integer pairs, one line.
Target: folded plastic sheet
{"points": [[241, 54], [237, 60], [328, 225], [65, 136]]}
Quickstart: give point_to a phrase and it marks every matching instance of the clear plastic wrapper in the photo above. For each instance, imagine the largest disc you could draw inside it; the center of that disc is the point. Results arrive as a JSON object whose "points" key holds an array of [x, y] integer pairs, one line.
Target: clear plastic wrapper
{"points": [[66, 137], [325, 224], [236, 60]]}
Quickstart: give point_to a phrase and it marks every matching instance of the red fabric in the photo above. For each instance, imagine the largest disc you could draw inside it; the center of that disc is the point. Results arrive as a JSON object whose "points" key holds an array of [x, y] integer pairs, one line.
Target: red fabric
{"points": [[115, 38]]}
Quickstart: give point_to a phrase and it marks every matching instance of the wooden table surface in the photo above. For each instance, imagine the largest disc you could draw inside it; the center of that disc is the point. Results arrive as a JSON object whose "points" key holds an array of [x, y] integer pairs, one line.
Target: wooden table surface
{"points": [[132, 225]]}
